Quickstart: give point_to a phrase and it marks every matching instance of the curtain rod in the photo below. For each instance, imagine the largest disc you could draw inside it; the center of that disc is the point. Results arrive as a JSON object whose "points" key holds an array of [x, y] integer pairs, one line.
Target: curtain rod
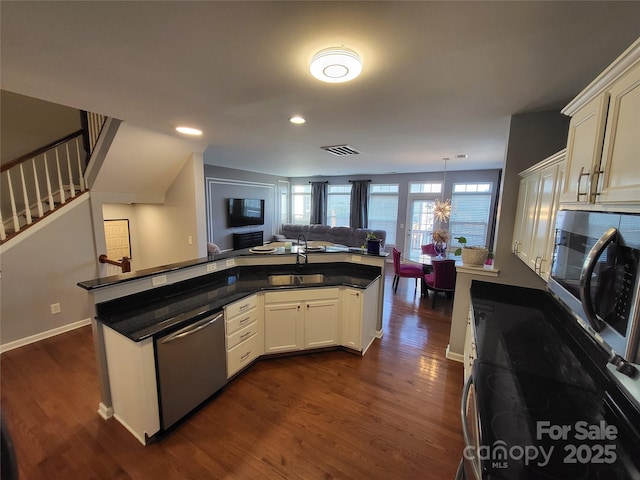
{"points": [[351, 181], [327, 181]]}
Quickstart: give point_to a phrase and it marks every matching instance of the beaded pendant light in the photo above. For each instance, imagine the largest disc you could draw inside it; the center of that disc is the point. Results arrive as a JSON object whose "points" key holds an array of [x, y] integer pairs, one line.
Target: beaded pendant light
{"points": [[442, 209]]}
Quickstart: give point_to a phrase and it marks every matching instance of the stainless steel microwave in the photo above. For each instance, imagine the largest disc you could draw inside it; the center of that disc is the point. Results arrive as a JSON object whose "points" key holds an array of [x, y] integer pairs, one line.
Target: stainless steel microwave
{"points": [[595, 274]]}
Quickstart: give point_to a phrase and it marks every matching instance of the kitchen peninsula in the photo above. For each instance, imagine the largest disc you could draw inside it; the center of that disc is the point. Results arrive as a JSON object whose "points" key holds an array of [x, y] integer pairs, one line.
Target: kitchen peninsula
{"points": [[267, 302]]}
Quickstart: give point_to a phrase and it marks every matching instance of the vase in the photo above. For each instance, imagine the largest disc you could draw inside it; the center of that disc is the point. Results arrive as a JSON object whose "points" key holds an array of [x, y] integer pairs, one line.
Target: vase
{"points": [[373, 247], [440, 248]]}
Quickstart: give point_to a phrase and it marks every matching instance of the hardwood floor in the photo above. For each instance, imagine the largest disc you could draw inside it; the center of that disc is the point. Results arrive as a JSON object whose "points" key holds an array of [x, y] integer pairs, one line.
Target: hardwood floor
{"points": [[392, 414]]}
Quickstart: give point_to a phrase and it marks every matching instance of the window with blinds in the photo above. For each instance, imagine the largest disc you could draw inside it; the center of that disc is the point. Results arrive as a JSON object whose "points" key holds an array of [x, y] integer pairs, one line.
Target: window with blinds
{"points": [[383, 209], [338, 205], [301, 204], [470, 212]]}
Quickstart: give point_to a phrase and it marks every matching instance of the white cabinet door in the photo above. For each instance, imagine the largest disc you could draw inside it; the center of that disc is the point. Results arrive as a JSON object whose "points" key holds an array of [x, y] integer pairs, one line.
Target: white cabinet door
{"points": [[528, 217], [321, 323], [584, 150], [543, 226], [621, 152], [351, 319], [538, 203], [283, 327]]}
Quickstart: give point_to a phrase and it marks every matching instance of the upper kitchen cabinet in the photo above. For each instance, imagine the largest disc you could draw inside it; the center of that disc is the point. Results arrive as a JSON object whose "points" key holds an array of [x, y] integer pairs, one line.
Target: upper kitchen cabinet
{"points": [[536, 213], [621, 152], [604, 137]]}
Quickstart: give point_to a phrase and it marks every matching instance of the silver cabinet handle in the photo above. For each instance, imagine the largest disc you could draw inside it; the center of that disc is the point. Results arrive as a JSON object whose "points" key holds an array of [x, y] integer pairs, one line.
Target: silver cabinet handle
{"points": [[244, 357], [465, 428], [191, 329], [580, 175], [245, 320]]}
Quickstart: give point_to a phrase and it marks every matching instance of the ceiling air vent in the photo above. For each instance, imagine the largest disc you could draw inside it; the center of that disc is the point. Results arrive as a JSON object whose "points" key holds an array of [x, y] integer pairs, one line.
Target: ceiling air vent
{"points": [[341, 150]]}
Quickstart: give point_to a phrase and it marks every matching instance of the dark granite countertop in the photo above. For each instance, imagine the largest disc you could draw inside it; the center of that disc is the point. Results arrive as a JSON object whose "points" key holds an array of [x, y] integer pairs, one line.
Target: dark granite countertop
{"points": [[163, 309], [280, 251], [537, 367]]}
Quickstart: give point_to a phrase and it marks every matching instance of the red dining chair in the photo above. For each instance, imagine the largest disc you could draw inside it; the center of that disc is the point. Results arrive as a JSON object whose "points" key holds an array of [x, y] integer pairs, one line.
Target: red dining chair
{"points": [[404, 270], [429, 249], [442, 279]]}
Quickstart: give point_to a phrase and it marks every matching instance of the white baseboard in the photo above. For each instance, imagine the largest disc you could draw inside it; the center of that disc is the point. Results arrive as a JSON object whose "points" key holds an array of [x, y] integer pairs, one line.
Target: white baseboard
{"points": [[42, 335], [456, 357], [104, 411], [379, 333], [141, 438]]}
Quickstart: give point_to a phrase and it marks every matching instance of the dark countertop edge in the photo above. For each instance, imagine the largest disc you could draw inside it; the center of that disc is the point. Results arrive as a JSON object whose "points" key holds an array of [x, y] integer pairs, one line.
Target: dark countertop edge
{"points": [[231, 299], [149, 272]]}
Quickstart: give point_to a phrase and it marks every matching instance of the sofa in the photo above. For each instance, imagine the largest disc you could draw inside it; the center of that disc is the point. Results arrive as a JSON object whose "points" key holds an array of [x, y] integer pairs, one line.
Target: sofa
{"points": [[351, 237]]}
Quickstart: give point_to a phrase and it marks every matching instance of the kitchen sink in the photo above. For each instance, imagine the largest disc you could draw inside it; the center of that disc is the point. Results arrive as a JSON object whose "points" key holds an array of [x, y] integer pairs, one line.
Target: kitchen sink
{"points": [[289, 279]]}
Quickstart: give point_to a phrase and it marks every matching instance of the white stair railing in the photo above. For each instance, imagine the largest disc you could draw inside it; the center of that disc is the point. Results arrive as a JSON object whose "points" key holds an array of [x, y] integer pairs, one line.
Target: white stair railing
{"points": [[28, 193], [39, 196]]}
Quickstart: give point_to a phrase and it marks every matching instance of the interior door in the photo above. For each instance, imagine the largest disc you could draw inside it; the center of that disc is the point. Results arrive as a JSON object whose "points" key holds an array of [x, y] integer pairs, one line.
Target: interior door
{"points": [[420, 222]]}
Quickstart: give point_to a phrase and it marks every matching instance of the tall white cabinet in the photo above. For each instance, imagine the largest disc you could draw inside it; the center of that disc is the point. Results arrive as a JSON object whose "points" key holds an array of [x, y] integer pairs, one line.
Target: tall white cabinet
{"points": [[538, 202]]}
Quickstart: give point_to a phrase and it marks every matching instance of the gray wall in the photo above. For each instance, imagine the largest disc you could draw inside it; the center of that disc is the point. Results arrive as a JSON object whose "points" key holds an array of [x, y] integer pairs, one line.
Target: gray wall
{"points": [[532, 138], [43, 268], [223, 183], [28, 123]]}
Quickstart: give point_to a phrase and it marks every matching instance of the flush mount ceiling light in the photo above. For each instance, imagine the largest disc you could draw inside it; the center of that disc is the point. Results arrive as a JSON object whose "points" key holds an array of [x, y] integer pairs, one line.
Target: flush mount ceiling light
{"points": [[189, 131], [335, 65], [297, 120]]}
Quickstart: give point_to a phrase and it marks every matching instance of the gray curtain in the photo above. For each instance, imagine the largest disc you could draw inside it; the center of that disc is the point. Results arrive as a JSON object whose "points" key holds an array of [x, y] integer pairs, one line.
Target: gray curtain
{"points": [[359, 217], [318, 203]]}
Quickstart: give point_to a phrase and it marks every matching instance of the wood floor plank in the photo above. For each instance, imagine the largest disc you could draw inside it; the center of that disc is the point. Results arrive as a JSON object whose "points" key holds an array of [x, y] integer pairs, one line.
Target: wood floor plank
{"points": [[392, 414]]}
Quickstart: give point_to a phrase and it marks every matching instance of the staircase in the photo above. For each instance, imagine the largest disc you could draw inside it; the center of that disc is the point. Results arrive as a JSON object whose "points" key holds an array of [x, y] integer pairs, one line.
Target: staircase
{"points": [[35, 184]]}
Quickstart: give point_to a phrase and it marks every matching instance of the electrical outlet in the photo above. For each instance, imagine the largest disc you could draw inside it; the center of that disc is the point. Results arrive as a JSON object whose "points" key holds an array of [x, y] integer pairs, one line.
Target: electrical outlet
{"points": [[55, 308], [159, 280], [211, 267], [189, 239], [230, 262]]}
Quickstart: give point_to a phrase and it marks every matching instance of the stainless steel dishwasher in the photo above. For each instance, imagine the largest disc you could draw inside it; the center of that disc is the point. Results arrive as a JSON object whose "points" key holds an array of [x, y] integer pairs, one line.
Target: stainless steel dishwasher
{"points": [[192, 366]]}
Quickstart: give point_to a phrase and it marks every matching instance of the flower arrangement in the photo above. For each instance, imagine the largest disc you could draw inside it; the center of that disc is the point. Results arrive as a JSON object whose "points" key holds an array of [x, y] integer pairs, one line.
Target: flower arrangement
{"points": [[440, 236]]}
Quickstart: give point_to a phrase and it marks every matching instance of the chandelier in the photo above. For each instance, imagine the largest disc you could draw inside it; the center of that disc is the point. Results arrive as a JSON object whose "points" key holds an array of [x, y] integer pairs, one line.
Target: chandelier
{"points": [[442, 208]]}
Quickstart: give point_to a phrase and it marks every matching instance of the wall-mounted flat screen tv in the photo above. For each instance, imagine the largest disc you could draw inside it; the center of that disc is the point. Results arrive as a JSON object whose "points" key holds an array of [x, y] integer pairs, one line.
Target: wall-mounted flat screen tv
{"points": [[245, 211]]}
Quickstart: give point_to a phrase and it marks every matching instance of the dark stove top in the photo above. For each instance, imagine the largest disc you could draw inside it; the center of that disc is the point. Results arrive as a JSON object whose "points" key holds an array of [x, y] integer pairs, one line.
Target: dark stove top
{"points": [[546, 409], [536, 427]]}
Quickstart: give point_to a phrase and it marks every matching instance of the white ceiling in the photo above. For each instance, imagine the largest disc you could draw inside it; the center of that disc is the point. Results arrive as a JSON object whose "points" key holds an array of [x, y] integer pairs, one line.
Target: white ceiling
{"points": [[439, 78]]}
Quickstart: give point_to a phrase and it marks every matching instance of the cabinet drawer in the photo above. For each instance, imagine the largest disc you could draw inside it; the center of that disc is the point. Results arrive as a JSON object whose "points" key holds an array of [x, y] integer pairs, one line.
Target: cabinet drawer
{"points": [[243, 354], [241, 306], [241, 321], [242, 335]]}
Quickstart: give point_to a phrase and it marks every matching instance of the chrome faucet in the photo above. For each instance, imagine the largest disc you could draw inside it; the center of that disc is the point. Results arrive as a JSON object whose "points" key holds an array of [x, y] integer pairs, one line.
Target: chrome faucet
{"points": [[299, 253]]}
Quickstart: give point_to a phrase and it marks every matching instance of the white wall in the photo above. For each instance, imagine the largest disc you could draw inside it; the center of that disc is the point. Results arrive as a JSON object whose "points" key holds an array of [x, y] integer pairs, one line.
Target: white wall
{"points": [[159, 232], [43, 268]]}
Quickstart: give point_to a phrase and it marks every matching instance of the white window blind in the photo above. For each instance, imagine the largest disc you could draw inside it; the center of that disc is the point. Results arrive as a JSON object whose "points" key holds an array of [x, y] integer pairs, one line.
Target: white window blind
{"points": [[383, 209], [470, 213], [301, 204], [338, 205]]}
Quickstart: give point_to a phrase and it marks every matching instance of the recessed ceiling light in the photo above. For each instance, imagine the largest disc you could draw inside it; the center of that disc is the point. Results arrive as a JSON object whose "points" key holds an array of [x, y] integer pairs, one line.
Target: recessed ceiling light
{"points": [[297, 119], [335, 65], [189, 131]]}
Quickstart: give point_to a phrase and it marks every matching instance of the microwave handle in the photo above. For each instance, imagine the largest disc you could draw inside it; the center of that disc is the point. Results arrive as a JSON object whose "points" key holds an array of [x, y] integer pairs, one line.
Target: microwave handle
{"points": [[585, 277]]}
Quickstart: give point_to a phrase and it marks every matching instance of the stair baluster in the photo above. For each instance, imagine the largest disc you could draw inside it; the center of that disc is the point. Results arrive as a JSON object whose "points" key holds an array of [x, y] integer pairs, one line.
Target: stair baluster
{"points": [[36, 184]]}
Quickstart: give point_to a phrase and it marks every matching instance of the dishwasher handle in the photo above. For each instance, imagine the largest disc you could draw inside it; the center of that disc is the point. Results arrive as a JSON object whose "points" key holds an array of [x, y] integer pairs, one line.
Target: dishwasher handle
{"points": [[465, 427], [191, 329]]}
